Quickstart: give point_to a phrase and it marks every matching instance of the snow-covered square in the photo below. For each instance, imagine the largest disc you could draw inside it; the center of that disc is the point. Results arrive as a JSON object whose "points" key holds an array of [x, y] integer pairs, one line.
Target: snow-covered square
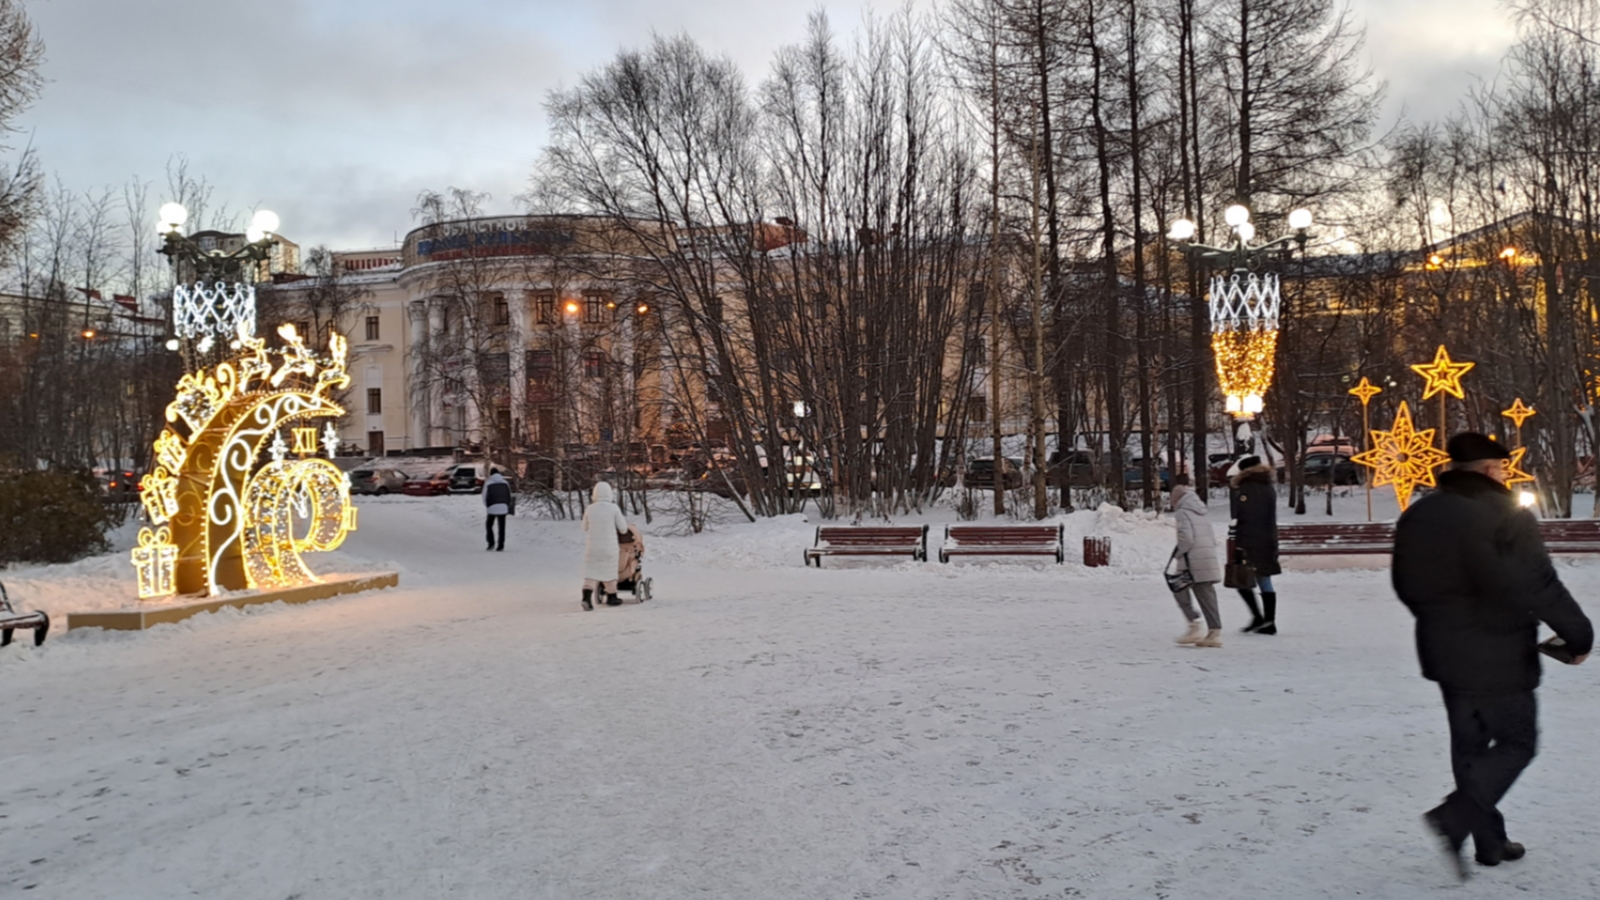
{"points": [[759, 729]]}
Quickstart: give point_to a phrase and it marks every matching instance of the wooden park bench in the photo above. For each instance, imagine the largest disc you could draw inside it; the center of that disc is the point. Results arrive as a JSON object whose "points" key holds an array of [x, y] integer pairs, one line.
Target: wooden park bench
{"points": [[909, 540], [11, 620], [1560, 536], [1003, 540]]}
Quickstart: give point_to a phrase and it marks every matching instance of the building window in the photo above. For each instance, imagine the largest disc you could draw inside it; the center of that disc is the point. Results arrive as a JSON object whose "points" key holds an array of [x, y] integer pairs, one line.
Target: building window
{"points": [[594, 364], [374, 401], [977, 408], [372, 328], [303, 329], [594, 308], [502, 310], [545, 307]]}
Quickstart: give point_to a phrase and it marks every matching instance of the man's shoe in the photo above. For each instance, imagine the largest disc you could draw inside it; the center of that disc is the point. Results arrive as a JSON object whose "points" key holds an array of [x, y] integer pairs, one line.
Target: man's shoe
{"points": [[1510, 851], [1449, 843]]}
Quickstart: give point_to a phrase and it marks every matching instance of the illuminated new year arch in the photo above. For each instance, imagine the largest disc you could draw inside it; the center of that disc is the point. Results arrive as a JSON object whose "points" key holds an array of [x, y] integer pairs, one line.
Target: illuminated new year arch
{"points": [[228, 508]]}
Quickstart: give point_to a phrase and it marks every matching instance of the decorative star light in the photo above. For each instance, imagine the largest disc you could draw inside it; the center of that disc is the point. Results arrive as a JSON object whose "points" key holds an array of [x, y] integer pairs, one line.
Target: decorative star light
{"points": [[1443, 374], [1514, 471], [1366, 390], [278, 448], [1518, 413], [1403, 457], [330, 440]]}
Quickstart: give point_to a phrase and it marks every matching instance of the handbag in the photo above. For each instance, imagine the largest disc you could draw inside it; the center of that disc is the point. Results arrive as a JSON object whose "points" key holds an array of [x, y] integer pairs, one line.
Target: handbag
{"points": [[1181, 580], [1239, 574]]}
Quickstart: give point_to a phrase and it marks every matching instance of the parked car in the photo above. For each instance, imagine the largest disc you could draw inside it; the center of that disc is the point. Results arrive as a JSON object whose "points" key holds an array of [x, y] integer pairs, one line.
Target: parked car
{"points": [[468, 478], [1133, 476], [377, 481], [120, 484], [1076, 468], [429, 485], [1320, 467], [980, 473]]}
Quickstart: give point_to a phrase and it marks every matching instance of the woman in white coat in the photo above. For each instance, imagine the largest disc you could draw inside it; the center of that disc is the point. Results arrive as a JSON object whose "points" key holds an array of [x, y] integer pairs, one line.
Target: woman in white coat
{"points": [[602, 522], [1196, 553]]}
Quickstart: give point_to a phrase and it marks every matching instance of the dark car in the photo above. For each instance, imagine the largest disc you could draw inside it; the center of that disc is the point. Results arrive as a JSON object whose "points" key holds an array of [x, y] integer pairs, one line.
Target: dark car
{"points": [[377, 481], [467, 478], [1133, 476], [980, 473], [1320, 468], [429, 485], [121, 484], [1076, 468]]}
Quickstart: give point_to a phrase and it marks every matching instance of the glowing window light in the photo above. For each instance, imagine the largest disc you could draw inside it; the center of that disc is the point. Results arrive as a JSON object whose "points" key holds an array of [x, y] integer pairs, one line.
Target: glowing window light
{"points": [[1402, 456]]}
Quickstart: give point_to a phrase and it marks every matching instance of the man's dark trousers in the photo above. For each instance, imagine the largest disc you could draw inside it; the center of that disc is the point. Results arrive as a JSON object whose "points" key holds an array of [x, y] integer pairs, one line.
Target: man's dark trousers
{"points": [[489, 523], [1493, 737]]}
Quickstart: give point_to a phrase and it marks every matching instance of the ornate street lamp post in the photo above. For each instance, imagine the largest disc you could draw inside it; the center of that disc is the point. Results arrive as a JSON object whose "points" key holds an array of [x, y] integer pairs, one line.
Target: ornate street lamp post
{"points": [[1245, 300], [213, 298]]}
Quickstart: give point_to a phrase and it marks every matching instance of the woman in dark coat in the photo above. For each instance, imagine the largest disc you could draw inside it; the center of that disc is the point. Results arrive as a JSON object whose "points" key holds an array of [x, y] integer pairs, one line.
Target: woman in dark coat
{"points": [[1254, 504]]}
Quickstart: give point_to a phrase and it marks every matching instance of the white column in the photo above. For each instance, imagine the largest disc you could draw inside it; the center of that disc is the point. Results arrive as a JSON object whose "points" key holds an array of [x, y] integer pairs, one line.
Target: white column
{"points": [[417, 397]]}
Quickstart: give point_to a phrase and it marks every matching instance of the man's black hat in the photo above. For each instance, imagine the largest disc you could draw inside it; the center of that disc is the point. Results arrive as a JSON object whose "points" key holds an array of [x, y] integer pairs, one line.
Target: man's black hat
{"points": [[1469, 446]]}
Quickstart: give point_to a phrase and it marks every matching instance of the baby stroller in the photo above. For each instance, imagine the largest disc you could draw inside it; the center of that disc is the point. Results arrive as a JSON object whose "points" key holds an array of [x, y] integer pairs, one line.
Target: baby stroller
{"points": [[11, 620], [630, 574]]}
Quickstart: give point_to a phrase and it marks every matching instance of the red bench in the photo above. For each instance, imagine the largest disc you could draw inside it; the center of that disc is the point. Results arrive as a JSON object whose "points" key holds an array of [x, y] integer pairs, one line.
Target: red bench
{"points": [[1003, 540], [1560, 536], [908, 540]]}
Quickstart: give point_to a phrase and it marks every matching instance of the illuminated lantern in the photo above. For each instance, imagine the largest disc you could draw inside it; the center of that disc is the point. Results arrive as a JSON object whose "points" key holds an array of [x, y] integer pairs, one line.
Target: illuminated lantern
{"points": [[1244, 338]]}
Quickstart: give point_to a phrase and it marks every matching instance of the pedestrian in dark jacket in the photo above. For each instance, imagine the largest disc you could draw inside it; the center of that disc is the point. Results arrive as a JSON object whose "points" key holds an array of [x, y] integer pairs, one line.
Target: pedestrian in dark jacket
{"points": [[1254, 532], [496, 504], [1472, 568]]}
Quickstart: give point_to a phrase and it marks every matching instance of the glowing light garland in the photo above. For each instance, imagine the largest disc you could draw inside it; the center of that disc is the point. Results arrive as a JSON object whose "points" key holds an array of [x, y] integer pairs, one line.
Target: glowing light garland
{"points": [[1518, 413], [1403, 457], [1514, 471], [223, 308], [1244, 337], [217, 528]]}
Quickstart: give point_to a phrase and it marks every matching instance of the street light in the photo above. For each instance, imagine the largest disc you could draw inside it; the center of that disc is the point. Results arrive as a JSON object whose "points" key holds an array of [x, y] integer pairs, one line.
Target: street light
{"points": [[219, 302], [1244, 302]]}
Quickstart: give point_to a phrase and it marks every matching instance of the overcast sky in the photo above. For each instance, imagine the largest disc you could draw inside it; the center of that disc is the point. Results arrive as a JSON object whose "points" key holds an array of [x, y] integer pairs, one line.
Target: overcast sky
{"points": [[336, 113]]}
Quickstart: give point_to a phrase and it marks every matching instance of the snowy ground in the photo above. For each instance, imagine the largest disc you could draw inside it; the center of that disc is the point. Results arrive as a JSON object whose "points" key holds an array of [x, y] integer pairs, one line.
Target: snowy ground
{"points": [[759, 730]]}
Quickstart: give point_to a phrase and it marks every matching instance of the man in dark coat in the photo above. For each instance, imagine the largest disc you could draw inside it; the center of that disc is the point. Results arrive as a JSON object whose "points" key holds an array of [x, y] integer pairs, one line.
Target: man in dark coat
{"points": [[1254, 506], [1472, 568], [496, 504]]}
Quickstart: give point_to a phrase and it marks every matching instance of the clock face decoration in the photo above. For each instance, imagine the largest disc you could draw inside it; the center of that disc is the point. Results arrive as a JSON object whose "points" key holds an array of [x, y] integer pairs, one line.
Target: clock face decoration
{"points": [[228, 508]]}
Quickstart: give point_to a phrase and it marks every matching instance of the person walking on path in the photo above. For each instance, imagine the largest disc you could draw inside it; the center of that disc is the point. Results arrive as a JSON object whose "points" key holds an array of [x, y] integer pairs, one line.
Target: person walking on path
{"points": [[1196, 554], [603, 521], [496, 505], [1254, 535], [1472, 568]]}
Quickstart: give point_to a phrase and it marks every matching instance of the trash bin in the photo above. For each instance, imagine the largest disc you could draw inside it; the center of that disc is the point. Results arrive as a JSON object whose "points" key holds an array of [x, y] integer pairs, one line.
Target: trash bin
{"points": [[1096, 551]]}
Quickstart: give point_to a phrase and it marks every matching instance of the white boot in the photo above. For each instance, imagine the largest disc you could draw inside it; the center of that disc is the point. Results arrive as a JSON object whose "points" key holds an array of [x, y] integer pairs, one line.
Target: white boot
{"points": [[1194, 634], [1213, 638]]}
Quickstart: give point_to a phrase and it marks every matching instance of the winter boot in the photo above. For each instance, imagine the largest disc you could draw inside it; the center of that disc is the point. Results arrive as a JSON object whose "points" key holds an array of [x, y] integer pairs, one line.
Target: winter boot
{"points": [[1194, 634], [1256, 619], [588, 604], [613, 600], [1213, 638], [1269, 602]]}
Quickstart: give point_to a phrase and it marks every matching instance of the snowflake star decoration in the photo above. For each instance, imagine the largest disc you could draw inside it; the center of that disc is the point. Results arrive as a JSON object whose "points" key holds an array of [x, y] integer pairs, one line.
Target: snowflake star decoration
{"points": [[1518, 413], [1403, 457], [1443, 374], [1366, 390]]}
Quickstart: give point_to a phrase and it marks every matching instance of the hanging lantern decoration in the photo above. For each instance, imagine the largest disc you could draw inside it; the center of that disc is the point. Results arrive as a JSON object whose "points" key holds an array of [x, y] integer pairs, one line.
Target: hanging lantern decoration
{"points": [[1244, 338]]}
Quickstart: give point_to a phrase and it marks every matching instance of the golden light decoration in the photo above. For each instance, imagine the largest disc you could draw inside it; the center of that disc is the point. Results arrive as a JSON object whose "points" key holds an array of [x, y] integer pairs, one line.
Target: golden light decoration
{"points": [[1518, 413], [214, 527], [1443, 374], [1514, 471], [1402, 456], [1366, 390], [1244, 338]]}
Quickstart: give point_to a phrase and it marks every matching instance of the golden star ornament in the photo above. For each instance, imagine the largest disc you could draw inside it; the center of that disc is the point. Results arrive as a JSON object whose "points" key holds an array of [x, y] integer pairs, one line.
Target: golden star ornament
{"points": [[1443, 374], [1403, 457], [1366, 390], [1518, 413], [1514, 470]]}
